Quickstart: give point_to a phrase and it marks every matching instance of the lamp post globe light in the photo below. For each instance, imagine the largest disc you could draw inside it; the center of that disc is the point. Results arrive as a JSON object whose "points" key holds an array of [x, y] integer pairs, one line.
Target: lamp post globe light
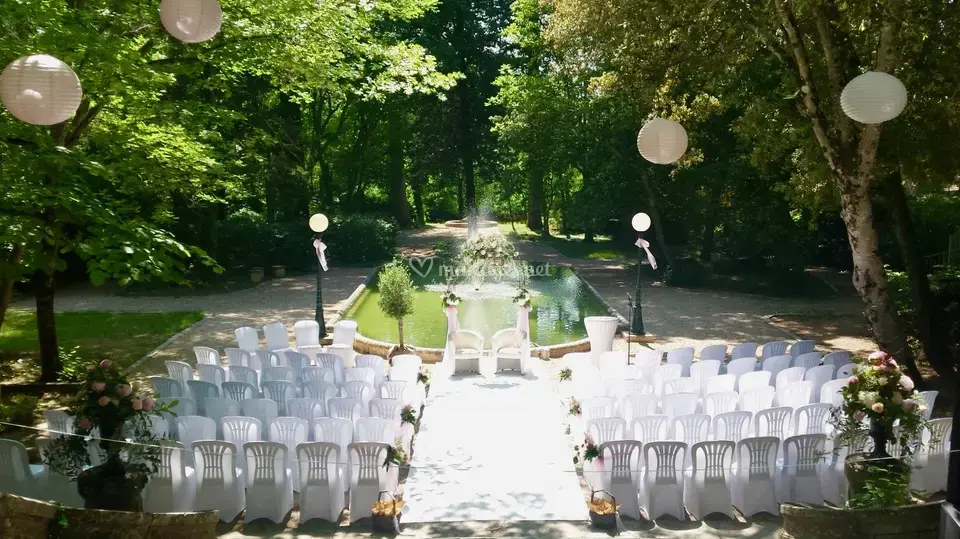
{"points": [[318, 224], [641, 223]]}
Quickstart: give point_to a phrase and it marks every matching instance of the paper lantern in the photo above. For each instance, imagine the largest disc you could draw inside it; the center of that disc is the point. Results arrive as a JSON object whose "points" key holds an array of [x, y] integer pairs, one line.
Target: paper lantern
{"points": [[40, 90], [641, 222], [191, 21], [874, 97], [662, 141], [319, 222]]}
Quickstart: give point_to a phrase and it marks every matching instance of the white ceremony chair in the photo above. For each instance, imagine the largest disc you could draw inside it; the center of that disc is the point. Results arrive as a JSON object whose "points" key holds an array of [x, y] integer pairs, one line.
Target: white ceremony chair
{"points": [[344, 332], [271, 358], [773, 422], [607, 429], [51, 485], [732, 426], [511, 350], [680, 385], [193, 428], [321, 391], [184, 407], [332, 361], [929, 398], [775, 365], [360, 374], [934, 457], [753, 485], [322, 483], [753, 380], [789, 376], [811, 418], [406, 371], [742, 350], [837, 359], [306, 335], [702, 371], [239, 391], [361, 391], [244, 374], [650, 428], [345, 408], [845, 371], [247, 339], [465, 347], [269, 482], [601, 331], [830, 392], [621, 474], [774, 348], [818, 376], [683, 357], [212, 374], [201, 391], [714, 352], [319, 374], [598, 408], [179, 371], [159, 427], [794, 395], [721, 384], [377, 363], [59, 423], [708, 489], [410, 363], [291, 432], [719, 403], [634, 406], [337, 431], [219, 408], [308, 410], [799, 348], [662, 487], [386, 409], [646, 358], [279, 391], [757, 399], [238, 430], [263, 410], [238, 357], [667, 371], [275, 333], [807, 361], [396, 389], [639, 386], [220, 484], [613, 363], [375, 429], [741, 366], [679, 404], [801, 468], [368, 478], [206, 355], [690, 429], [278, 374], [297, 362], [173, 487]]}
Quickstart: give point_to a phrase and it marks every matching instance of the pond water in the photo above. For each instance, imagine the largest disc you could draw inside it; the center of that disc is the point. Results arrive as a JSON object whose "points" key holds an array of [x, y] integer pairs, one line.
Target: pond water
{"points": [[560, 301]]}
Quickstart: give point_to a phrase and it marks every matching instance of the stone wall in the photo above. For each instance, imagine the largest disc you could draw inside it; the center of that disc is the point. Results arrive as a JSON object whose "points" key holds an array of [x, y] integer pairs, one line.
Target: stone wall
{"points": [[25, 518], [906, 522]]}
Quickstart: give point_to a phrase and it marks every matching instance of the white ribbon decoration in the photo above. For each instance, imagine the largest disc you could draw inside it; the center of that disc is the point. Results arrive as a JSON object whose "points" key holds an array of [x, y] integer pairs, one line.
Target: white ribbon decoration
{"points": [[452, 323], [645, 245], [319, 247], [523, 319]]}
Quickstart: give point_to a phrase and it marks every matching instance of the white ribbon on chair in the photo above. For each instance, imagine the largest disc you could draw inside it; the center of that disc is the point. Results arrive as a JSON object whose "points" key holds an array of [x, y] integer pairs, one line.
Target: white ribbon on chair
{"points": [[452, 323], [645, 245], [523, 319], [319, 247]]}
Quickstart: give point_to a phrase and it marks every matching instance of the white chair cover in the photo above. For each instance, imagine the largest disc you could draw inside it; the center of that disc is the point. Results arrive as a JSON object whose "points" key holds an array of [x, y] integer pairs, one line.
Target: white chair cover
{"points": [[377, 363], [279, 391], [818, 376], [732, 426], [794, 395], [757, 399], [322, 483], [789, 376], [340, 432], [173, 488], [807, 361], [345, 408], [662, 487], [708, 488], [721, 384], [220, 484], [321, 391], [307, 335], [634, 406], [219, 408], [753, 380], [802, 456], [263, 410], [650, 428], [247, 339], [776, 364], [291, 432], [714, 352], [619, 473], [59, 423], [213, 374], [193, 428], [368, 477], [682, 357], [774, 348], [201, 391], [799, 348], [269, 482], [753, 485], [747, 349], [719, 403], [811, 418], [275, 333]]}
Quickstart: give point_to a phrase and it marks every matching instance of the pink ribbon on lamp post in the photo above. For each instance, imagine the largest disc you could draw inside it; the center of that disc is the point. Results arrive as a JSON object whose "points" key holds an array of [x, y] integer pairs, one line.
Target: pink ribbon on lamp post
{"points": [[320, 247], [645, 245]]}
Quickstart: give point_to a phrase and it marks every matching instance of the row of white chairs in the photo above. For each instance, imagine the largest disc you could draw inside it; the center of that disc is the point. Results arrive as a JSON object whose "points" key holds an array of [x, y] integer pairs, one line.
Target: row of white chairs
{"points": [[718, 352], [306, 336]]}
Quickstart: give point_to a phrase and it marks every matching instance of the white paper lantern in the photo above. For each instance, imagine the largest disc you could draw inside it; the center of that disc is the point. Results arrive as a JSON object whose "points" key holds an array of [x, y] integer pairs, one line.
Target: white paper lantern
{"points": [[662, 141], [874, 97], [641, 222], [40, 90], [191, 21], [319, 222]]}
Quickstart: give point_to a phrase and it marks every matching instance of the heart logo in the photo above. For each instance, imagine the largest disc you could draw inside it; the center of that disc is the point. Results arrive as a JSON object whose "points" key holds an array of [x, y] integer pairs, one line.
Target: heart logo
{"points": [[420, 266]]}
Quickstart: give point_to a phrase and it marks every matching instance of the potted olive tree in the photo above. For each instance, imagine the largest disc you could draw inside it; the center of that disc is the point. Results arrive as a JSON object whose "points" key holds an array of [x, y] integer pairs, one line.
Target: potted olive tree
{"points": [[396, 298]]}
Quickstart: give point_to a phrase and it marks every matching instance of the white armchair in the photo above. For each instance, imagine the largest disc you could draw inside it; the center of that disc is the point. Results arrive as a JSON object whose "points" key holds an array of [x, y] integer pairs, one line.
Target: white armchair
{"points": [[465, 347], [511, 348]]}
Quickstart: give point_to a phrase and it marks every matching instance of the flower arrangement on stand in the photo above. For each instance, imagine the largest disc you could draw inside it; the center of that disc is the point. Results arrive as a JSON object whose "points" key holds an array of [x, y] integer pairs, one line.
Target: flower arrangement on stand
{"points": [[878, 396], [566, 374], [108, 409], [408, 415], [522, 299], [574, 408], [449, 299], [588, 452], [488, 255]]}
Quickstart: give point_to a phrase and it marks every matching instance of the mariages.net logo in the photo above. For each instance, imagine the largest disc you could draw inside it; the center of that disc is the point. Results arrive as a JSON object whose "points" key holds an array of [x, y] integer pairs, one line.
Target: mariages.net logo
{"points": [[427, 265]]}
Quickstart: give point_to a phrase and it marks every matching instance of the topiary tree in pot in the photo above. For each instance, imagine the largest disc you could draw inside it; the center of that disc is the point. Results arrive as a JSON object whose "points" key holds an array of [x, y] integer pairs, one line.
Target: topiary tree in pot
{"points": [[396, 296]]}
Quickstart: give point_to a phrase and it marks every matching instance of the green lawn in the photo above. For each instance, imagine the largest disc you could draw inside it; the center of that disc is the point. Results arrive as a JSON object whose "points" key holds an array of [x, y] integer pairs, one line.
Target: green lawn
{"points": [[573, 246]]}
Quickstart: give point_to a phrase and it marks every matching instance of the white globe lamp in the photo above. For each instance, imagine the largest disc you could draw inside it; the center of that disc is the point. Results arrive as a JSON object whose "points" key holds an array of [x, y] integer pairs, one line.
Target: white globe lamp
{"points": [[662, 141], [641, 222], [191, 21], [874, 97], [319, 222], [40, 90]]}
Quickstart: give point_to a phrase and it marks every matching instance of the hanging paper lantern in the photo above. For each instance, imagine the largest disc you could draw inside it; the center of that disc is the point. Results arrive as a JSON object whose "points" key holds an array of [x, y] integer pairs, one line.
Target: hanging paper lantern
{"points": [[874, 97], [191, 21], [40, 90], [662, 141], [319, 222], [640, 222]]}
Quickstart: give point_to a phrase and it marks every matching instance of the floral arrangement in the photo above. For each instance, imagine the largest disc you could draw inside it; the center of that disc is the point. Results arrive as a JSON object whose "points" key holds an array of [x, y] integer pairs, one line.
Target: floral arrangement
{"points": [[387, 508], [522, 298], [574, 407], [590, 450], [423, 377], [566, 374], [879, 391], [489, 247], [395, 455], [450, 299], [407, 415]]}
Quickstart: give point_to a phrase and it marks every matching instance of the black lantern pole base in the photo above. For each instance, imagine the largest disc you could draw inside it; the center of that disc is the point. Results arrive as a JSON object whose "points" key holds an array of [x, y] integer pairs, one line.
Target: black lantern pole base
{"points": [[318, 314]]}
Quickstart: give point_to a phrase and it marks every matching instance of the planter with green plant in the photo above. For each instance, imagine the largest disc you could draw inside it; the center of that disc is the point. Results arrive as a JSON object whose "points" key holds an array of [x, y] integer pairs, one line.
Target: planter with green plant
{"points": [[396, 298]]}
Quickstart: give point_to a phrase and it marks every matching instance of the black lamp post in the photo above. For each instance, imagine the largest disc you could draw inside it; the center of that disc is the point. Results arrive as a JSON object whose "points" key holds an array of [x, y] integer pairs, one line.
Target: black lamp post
{"points": [[319, 223], [641, 223]]}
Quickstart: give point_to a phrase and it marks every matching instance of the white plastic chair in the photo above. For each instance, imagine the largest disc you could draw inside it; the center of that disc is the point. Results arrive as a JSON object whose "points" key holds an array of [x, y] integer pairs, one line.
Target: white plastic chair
{"points": [[212, 374], [680, 385], [757, 399], [465, 348], [682, 357], [59, 423], [597, 408], [934, 457], [741, 366], [801, 468], [181, 372], [165, 387], [375, 429], [332, 361], [649, 428], [308, 410], [247, 375], [638, 386], [714, 352], [634, 406], [319, 374], [645, 358], [337, 431], [386, 409], [321, 391], [297, 362], [808, 360], [50, 485], [278, 374], [679, 404], [345, 408], [799, 348], [271, 358], [794, 395], [662, 487], [690, 429], [238, 357], [238, 430], [377, 363], [811, 419], [818, 376], [291, 432], [773, 422], [753, 380], [239, 391], [275, 333], [929, 398], [173, 487], [707, 490], [206, 355], [789, 376], [193, 428], [607, 429], [753, 486], [322, 483], [511, 350], [344, 332], [830, 392], [732, 426], [361, 391], [720, 384], [407, 369], [620, 475], [360, 374], [775, 365], [774, 348], [845, 371], [202, 391], [306, 335], [395, 389], [742, 350], [837, 359], [368, 478], [159, 427], [269, 482], [667, 372], [279, 391], [702, 371], [220, 484], [719, 403], [219, 408], [247, 339], [184, 407], [407, 362], [264, 410]]}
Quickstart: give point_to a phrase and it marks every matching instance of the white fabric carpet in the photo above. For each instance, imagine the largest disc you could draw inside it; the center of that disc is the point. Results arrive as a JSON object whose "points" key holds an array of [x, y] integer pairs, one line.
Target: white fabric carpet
{"points": [[492, 448]]}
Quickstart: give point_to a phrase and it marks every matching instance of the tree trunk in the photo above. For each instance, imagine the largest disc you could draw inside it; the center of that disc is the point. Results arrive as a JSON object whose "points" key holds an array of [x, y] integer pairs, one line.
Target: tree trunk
{"points": [[953, 472], [461, 210], [50, 365], [655, 218], [7, 281], [466, 144], [326, 179], [395, 172], [935, 347], [708, 241], [418, 199], [400, 333], [535, 197]]}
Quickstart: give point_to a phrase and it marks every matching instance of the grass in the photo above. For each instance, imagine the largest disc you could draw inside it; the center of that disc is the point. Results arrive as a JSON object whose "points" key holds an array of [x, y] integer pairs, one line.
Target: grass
{"points": [[573, 245]]}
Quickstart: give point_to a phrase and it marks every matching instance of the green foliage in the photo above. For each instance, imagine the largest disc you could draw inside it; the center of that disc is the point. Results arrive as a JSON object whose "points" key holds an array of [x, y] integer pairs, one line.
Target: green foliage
{"points": [[565, 374], [688, 272], [883, 486], [19, 410], [396, 290], [408, 415], [361, 239]]}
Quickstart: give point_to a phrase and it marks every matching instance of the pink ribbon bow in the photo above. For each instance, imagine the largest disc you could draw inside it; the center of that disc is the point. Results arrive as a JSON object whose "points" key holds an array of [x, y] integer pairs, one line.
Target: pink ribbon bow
{"points": [[645, 245], [319, 247]]}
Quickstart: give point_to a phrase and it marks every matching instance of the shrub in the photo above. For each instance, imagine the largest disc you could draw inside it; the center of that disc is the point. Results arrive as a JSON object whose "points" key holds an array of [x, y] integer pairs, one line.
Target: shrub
{"points": [[688, 272], [360, 239], [19, 410], [396, 293]]}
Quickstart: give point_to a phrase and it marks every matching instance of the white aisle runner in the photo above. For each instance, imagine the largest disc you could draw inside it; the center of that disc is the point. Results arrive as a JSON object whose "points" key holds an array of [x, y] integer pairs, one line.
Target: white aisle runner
{"points": [[492, 449]]}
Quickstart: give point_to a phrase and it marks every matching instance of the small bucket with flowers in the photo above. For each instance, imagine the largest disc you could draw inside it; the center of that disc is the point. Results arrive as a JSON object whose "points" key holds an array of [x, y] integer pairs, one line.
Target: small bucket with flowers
{"points": [[603, 510], [385, 513]]}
